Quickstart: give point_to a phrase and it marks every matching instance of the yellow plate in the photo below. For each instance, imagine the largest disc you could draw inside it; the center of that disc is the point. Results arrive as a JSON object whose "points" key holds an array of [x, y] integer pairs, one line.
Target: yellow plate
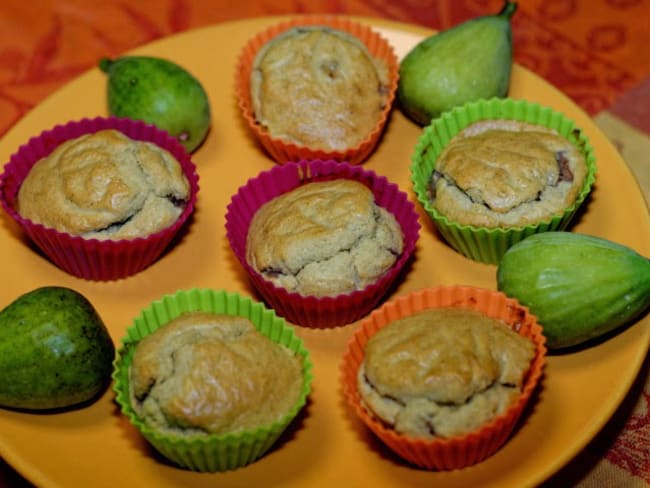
{"points": [[326, 446]]}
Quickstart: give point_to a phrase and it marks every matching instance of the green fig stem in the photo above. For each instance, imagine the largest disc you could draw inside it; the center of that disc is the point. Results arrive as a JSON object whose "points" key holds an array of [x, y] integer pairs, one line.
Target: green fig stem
{"points": [[508, 10], [105, 64]]}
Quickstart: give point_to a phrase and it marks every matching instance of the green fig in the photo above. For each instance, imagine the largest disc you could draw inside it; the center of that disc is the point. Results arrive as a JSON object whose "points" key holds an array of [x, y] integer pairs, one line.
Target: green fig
{"points": [[159, 92], [579, 287], [467, 62], [55, 350]]}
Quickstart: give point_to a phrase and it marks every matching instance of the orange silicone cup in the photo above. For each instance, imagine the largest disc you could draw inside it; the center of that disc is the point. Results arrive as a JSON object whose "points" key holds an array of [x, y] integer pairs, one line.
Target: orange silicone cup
{"points": [[282, 150], [460, 451]]}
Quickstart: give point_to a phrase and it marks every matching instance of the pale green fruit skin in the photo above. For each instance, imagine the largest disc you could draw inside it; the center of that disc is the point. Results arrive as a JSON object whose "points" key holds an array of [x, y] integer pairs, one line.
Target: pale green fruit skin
{"points": [[470, 61], [55, 350], [159, 92], [580, 287]]}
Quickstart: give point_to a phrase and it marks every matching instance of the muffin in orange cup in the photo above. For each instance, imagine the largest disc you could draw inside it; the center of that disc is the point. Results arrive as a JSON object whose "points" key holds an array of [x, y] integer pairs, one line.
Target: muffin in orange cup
{"points": [[330, 66], [488, 313], [92, 217], [342, 231]]}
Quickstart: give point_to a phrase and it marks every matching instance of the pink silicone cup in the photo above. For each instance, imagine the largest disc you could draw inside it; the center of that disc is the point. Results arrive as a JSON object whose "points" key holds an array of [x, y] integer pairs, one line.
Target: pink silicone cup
{"points": [[89, 258], [311, 311]]}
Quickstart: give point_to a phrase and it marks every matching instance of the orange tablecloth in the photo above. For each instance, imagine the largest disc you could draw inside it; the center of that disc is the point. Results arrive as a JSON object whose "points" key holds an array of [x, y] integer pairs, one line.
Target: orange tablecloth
{"points": [[596, 51]]}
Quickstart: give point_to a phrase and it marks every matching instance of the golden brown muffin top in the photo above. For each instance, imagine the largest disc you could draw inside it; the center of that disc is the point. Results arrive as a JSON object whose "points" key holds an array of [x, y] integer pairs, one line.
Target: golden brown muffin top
{"points": [[318, 87], [507, 173], [212, 373], [105, 185], [443, 371], [323, 238]]}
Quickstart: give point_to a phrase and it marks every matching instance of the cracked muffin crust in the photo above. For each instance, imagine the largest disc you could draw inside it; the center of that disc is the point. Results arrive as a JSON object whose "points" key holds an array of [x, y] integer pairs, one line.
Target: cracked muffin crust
{"points": [[442, 372], [319, 87], [104, 186], [505, 173], [324, 239], [205, 373]]}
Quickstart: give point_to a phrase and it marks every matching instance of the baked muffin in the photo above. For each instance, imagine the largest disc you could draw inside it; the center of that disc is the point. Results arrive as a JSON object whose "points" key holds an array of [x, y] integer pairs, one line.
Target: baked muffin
{"points": [[324, 238], [205, 373], [92, 174], [443, 372], [443, 375], [318, 87], [105, 185], [211, 378], [492, 172], [359, 209], [504, 173]]}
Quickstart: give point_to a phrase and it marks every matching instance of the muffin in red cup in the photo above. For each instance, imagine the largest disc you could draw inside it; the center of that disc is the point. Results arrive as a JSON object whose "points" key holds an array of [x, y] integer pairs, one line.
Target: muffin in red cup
{"points": [[102, 197], [317, 87], [442, 375], [323, 236]]}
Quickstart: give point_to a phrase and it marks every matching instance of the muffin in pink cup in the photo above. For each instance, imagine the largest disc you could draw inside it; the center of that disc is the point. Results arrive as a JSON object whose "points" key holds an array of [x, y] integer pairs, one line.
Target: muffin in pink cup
{"points": [[103, 197], [317, 87], [443, 375], [317, 237]]}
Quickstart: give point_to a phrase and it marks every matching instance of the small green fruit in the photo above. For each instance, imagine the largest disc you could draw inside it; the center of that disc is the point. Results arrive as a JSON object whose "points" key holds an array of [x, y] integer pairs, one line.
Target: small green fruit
{"points": [[467, 62], [55, 351], [579, 287], [159, 92]]}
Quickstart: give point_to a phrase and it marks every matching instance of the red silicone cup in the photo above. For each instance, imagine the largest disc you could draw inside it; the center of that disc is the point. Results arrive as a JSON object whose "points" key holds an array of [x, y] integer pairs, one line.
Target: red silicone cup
{"points": [[92, 259], [312, 311], [463, 450]]}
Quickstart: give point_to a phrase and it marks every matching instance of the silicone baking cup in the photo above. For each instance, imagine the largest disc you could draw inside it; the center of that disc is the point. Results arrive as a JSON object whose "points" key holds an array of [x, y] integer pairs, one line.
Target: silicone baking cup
{"points": [[474, 447], [311, 311], [485, 244], [210, 452], [282, 150], [92, 259]]}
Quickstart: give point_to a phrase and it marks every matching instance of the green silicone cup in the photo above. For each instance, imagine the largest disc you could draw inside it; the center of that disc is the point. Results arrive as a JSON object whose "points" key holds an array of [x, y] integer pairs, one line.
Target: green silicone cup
{"points": [[209, 452], [483, 244]]}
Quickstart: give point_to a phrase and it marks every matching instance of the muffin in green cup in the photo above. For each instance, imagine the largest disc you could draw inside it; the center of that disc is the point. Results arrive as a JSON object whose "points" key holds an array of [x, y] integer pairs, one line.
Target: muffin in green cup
{"points": [[202, 449], [492, 172]]}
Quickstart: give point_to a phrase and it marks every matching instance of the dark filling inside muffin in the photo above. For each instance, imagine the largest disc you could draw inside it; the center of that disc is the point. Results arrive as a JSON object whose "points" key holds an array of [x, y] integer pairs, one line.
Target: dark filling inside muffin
{"points": [[565, 174], [116, 226]]}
